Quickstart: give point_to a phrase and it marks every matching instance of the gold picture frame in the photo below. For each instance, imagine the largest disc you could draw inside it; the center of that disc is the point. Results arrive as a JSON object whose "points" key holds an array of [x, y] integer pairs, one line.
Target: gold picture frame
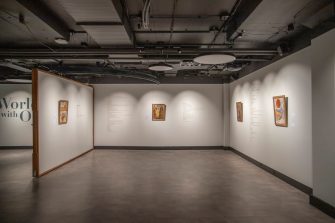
{"points": [[63, 109], [280, 111], [158, 112], [239, 111]]}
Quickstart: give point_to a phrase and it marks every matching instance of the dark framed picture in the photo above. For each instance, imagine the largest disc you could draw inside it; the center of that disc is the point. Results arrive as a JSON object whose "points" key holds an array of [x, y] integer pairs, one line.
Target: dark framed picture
{"points": [[63, 109], [280, 111], [158, 112]]}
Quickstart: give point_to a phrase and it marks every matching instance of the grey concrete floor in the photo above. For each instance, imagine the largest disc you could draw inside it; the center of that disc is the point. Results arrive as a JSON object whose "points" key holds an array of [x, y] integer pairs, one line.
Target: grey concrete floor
{"points": [[150, 186]]}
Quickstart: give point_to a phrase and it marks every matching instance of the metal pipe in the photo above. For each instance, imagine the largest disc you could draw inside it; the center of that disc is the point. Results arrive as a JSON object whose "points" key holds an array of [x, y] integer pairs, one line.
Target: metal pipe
{"points": [[170, 31], [179, 45], [224, 24], [15, 67], [178, 59], [93, 57], [179, 17], [140, 51]]}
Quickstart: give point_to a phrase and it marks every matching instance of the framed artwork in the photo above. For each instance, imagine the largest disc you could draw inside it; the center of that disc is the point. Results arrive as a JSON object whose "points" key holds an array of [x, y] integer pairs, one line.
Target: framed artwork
{"points": [[158, 112], [63, 108], [280, 111], [239, 110]]}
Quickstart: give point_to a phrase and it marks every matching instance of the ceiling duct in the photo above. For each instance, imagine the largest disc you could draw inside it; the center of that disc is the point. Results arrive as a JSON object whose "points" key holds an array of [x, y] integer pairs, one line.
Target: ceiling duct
{"points": [[104, 20], [314, 13], [15, 67]]}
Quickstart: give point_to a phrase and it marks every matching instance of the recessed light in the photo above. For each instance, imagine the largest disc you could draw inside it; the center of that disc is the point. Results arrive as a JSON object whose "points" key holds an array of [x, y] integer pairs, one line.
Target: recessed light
{"points": [[213, 59], [61, 41], [160, 67]]}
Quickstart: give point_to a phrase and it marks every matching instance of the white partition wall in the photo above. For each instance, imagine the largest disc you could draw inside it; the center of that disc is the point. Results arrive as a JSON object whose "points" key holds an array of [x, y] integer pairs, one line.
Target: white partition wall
{"points": [[323, 67], [287, 150], [15, 115], [57, 144], [193, 115]]}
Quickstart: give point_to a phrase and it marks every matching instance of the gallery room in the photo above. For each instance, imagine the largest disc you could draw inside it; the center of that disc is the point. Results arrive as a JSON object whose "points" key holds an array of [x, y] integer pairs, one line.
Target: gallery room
{"points": [[167, 111]]}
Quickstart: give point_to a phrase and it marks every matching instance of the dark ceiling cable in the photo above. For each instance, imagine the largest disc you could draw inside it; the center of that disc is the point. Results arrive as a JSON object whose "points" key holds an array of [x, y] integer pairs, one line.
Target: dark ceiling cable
{"points": [[225, 23], [172, 20]]}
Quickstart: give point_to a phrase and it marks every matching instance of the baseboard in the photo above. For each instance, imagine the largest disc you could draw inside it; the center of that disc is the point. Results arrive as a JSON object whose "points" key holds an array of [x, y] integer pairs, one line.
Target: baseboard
{"points": [[322, 205], [15, 147], [160, 147], [276, 173], [60, 165]]}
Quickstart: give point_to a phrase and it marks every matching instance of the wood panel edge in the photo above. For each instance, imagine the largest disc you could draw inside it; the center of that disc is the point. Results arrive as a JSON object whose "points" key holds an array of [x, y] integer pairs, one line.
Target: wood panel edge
{"points": [[64, 78], [63, 164], [35, 155]]}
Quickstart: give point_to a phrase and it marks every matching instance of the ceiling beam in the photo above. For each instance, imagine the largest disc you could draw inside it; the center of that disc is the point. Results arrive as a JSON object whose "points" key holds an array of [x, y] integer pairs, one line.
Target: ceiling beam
{"points": [[15, 67], [99, 23], [40, 10], [105, 52], [121, 9], [243, 11], [173, 31]]}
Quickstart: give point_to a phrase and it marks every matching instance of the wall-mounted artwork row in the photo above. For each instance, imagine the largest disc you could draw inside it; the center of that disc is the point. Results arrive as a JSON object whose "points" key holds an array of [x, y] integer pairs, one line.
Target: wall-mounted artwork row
{"points": [[280, 111], [239, 110], [158, 112], [63, 108]]}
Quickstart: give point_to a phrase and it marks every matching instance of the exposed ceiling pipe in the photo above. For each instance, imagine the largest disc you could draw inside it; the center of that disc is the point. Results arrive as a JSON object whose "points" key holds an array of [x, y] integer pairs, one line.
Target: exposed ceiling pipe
{"points": [[177, 59], [145, 14], [197, 17], [141, 51], [172, 20], [224, 24], [15, 67]]}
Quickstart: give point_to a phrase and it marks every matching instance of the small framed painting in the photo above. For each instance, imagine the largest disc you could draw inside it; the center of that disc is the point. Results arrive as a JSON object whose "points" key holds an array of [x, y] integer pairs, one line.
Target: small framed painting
{"points": [[239, 110], [63, 108], [158, 112], [280, 111]]}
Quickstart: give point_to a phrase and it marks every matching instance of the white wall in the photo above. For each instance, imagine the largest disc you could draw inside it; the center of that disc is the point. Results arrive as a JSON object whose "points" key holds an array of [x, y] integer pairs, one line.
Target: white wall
{"points": [[323, 66], [60, 143], [15, 115], [123, 115], [287, 150], [226, 115]]}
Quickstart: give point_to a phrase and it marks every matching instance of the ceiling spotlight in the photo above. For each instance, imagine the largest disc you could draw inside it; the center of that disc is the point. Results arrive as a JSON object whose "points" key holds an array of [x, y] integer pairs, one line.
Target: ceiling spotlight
{"points": [[239, 35], [16, 80], [290, 27], [213, 59], [234, 68], [160, 67], [61, 41]]}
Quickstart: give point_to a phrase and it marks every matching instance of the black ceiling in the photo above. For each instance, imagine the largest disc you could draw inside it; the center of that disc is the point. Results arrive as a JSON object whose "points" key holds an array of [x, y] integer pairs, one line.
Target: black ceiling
{"points": [[108, 41]]}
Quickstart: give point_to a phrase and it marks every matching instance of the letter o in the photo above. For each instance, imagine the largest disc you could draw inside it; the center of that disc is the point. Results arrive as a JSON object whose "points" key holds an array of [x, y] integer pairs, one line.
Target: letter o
{"points": [[27, 117]]}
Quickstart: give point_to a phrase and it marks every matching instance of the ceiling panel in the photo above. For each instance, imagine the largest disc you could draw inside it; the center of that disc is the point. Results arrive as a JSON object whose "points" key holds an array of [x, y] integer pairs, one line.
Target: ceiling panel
{"points": [[108, 35], [89, 11]]}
